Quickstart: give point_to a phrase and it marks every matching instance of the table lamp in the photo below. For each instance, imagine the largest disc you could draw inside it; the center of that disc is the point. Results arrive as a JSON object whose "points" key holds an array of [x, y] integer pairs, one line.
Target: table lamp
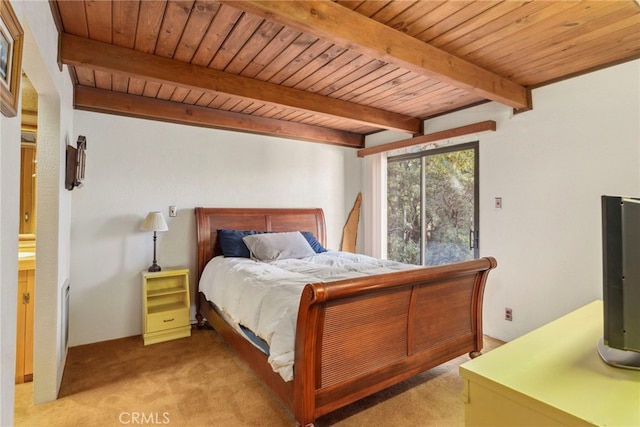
{"points": [[154, 222]]}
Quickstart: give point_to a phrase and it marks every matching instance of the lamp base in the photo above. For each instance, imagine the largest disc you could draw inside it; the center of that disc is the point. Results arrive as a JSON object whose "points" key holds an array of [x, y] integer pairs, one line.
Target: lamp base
{"points": [[154, 268]]}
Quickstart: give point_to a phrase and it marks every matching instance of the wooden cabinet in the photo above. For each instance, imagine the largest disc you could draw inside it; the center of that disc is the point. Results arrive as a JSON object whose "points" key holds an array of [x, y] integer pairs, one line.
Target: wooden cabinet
{"points": [[165, 311], [28, 188], [552, 376], [24, 338]]}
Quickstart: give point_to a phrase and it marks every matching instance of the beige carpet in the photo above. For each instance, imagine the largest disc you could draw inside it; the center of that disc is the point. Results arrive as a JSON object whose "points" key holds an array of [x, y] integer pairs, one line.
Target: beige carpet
{"points": [[198, 381]]}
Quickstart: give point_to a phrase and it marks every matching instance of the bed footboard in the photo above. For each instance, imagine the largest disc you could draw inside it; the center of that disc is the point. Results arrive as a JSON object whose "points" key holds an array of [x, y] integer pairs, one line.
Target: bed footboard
{"points": [[358, 336]]}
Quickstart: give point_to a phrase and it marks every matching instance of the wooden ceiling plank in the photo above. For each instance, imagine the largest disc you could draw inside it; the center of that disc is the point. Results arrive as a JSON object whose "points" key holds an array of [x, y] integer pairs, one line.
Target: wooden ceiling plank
{"points": [[439, 96], [136, 86], [235, 41], [77, 51], [442, 99], [240, 106], [317, 50], [439, 16], [263, 110], [86, 76], [196, 27], [315, 81], [74, 18], [284, 37], [193, 97], [180, 94], [368, 82], [341, 26], [475, 26], [339, 81], [314, 70], [220, 100], [385, 86], [359, 67], [151, 89], [135, 106], [392, 10], [103, 80], [174, 22], [262, 37], [403, 95], [430, 15], [582, 30], [149, 21], [491, 31], [120, 83], [523, 42], [486, 126], [577, 57], [288, 54], [223, 22], [99, 20], [513, 31], [166, 92], [368, 8], [456, 19], [205, 99], [294, 116], [125, 22], [413, 17], [229, 104], [249, 109]]}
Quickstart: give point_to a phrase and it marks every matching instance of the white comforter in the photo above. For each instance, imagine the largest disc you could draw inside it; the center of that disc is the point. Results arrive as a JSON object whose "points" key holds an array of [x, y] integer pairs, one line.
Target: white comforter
{"points": [[264, 296]]}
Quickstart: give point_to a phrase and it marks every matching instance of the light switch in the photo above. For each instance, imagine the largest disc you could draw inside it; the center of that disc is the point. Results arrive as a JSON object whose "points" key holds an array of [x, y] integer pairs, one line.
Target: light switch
{"points": [[172, 211], [498, 203]]}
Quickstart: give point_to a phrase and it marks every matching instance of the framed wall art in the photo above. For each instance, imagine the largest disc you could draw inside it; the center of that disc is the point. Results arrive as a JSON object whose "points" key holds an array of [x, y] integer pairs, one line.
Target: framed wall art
{"points": [[11, 40]]}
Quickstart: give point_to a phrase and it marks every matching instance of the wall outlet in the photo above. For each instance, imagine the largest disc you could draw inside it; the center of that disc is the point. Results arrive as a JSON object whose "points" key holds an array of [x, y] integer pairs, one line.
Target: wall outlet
{"points": [[172, 211], [508, 314], [498, 203]]}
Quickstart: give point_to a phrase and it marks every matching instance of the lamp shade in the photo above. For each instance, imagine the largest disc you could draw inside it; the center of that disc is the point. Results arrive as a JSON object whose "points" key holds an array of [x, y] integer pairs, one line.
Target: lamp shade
{"points": [[154, 222]]}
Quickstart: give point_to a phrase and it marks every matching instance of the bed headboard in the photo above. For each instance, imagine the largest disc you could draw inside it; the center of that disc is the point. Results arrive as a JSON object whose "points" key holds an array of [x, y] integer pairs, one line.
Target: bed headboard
{"points": [[210, 220]]}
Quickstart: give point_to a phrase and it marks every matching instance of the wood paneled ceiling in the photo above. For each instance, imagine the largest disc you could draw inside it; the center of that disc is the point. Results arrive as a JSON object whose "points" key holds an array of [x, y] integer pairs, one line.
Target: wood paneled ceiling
{"points": [[330, 71]]}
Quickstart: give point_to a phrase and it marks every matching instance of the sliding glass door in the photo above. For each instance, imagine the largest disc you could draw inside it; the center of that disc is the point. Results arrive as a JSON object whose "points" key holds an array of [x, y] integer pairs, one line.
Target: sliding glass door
{"points": [[432, 206]]}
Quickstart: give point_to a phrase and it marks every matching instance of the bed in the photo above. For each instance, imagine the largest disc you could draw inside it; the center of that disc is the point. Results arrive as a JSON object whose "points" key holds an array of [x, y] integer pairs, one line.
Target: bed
{"points": [[357, 336]]}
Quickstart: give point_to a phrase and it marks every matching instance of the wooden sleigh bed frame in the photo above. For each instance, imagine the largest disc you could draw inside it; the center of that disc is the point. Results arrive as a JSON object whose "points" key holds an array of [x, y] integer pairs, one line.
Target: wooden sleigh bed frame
{"points": [[358, 336]]}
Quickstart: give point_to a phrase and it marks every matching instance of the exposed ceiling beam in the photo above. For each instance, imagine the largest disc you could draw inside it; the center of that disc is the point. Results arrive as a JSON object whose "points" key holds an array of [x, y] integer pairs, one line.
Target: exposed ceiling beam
{"points": [[339, 25], [78, 51], [486, 126], [105, 101]]}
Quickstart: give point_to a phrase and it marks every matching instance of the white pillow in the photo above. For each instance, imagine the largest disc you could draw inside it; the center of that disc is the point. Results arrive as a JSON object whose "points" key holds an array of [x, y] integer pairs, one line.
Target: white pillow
{"points": [[272, 246]]}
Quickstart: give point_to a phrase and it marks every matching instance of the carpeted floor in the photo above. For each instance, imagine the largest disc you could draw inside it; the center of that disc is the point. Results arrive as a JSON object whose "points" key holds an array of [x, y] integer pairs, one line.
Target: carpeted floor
{"points": [[198, 381]]}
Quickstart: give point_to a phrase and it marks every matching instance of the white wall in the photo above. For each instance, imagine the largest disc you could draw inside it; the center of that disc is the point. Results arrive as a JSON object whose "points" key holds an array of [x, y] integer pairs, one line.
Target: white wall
{"points": [[52, 266], [550, 166], [9, 214], [135, 166]]}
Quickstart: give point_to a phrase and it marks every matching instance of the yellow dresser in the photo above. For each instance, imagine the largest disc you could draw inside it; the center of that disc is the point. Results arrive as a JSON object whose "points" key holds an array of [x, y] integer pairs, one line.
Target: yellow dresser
{"points": [[552, 376]]}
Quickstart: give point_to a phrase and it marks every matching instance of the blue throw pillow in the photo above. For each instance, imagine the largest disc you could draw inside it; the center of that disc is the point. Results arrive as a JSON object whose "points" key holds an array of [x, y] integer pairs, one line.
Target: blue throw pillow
{"points": [[315, 245], [231, 243]]}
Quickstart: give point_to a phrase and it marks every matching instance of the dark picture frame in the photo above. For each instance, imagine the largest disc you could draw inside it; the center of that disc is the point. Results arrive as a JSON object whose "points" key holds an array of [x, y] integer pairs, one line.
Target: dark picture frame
{"points": [[11, 41]]}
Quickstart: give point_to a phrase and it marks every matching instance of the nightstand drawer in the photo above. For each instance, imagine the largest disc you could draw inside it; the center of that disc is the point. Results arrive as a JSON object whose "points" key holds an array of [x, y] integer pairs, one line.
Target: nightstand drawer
{"points": [[167, 320]]}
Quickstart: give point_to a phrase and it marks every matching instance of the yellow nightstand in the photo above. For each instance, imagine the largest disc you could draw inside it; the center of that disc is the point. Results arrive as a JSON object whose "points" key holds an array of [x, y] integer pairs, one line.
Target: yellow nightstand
{"points": [[165, 311]]}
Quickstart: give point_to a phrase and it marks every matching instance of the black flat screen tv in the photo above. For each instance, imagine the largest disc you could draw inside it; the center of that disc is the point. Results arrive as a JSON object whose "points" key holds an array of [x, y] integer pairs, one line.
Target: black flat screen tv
{"points": [[620, 344]]}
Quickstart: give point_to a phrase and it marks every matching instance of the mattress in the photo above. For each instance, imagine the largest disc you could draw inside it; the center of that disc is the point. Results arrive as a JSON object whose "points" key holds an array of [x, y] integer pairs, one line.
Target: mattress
{"points": [[263, 297]]}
